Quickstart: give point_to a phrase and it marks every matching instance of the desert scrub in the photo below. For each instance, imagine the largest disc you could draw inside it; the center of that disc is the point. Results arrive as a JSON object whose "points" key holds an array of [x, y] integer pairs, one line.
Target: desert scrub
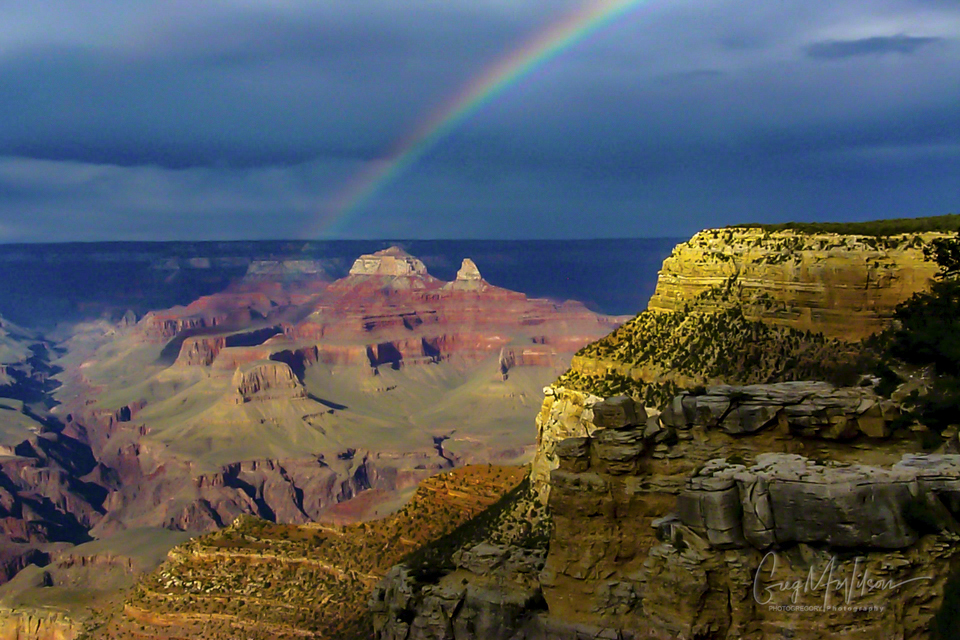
{"points": [[710, 340]]}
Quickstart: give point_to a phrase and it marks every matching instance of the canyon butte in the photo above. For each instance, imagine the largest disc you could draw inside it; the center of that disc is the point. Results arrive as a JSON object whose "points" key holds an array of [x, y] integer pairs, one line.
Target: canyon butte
{"points": [[731, 463]]}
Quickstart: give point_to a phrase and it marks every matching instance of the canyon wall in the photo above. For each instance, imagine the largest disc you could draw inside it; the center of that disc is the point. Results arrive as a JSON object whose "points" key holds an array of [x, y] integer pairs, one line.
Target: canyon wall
{"points": [[760, 502], [845, 286], [749, 306], [34, 625], [705, 521]]}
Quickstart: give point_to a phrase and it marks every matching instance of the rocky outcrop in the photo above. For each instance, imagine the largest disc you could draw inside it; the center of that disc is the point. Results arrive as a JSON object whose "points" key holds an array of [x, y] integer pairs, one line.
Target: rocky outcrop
{"points": [[468, 278], [655, 536], [394, 262], [35, 625], [809, 409], [163, 326], [45, 492], [494, 602], [785, 499], [845, 286], [747, 306], [267, 381], [714, 562], [200, 351], [260, 579], [565, 414]]}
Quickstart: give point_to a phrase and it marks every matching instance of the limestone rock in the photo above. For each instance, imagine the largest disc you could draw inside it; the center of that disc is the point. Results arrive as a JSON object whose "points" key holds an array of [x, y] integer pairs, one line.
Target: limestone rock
{"points": [[200, 351], [812, 409], [843, 285], [468, 271], [786, 498], [564, 414], [614, 413], [388, 262]]}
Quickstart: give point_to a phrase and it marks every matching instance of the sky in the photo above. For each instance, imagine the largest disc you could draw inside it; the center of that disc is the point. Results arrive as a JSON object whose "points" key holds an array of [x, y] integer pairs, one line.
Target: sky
{"points": [[247, 119]]}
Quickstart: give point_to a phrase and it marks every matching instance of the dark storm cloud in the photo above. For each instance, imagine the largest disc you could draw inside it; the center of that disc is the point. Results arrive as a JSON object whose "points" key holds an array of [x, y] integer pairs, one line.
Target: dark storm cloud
{"points": [[250, 87], [838, 49], [244, 119]]}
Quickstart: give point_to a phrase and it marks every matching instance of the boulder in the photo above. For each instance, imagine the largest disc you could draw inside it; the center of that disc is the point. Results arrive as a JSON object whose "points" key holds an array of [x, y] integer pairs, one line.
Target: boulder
{"points": [[615, 413]]}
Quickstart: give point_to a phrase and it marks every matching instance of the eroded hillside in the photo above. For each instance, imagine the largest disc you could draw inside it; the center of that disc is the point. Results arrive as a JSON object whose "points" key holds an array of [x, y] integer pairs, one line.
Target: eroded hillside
{"points": [[266, 580]]}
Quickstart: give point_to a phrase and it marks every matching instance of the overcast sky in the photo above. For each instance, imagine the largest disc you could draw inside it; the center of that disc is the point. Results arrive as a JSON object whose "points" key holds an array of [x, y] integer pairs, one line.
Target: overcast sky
{"points": [[169, 119]]}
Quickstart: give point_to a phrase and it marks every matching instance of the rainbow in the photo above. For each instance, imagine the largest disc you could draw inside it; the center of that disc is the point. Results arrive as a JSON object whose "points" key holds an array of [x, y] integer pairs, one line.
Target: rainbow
{"points": [[539, 49]]}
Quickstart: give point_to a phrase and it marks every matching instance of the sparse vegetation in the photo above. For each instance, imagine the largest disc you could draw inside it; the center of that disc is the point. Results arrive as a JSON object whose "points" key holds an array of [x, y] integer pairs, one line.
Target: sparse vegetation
{"points": [[285, 580], [517, 518], [711, 339], [925, 339], [876, 228]]}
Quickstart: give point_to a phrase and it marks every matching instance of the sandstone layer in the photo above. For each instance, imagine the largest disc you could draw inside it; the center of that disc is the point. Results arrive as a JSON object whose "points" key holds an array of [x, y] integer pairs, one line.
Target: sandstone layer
{"points": [[743, 306], [844, 286]]}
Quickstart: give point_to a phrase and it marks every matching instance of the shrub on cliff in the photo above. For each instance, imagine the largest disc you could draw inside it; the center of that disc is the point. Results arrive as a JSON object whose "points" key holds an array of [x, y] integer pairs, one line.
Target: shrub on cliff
{"points": [[711, 340], [926, 333]]}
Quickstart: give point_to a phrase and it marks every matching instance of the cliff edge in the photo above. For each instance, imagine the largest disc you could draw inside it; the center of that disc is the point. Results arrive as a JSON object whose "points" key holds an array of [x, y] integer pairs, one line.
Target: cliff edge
{"points": [[721, 467]]}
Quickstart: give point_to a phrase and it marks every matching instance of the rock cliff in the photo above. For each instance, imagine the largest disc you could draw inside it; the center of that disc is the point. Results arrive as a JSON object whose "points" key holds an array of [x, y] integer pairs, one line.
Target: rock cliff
{"points": [[392, 262], [844, 286], [31, 625], [746, 305], [654, 536], [283, 581], [734, 493], [267, 381]]}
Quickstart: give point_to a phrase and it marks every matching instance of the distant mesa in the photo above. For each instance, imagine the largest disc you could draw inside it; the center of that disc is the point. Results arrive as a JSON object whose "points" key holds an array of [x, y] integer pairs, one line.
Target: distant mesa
{"points": [[284, 271], [392, 262]]}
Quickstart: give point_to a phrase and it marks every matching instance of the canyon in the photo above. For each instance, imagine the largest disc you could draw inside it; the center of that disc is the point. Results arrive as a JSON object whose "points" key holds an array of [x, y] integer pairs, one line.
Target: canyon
{"points": [[688, 468], [282, 396]]}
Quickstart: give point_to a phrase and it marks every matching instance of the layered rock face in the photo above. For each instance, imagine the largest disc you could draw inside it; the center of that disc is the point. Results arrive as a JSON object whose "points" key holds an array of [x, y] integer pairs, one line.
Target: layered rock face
{"points": [[260, 579], [655, 536], [393, 262], [785, 499], [267, 381], [745, 306], [747, 506], [387, 311], [844, 286], [637, 552], [30, 625]]}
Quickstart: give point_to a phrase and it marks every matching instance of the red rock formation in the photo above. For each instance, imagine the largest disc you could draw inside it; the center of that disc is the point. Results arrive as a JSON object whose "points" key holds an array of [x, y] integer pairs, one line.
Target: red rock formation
{"points": [[387, 311], [201, 351], [267, 381]]}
